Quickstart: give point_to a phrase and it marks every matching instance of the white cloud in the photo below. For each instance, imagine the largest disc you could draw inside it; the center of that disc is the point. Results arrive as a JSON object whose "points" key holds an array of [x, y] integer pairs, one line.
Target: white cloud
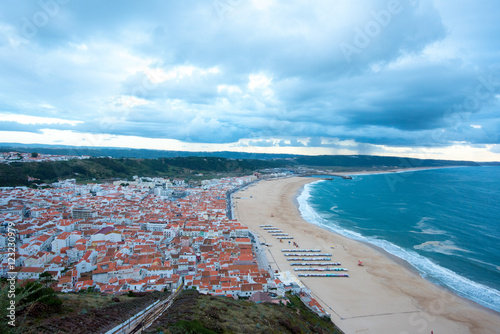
{"points": [[26, 119], [260, 84], [256, 81], [130, 101], [263, 4], [229, 89], [159, 75], [265, 70]]}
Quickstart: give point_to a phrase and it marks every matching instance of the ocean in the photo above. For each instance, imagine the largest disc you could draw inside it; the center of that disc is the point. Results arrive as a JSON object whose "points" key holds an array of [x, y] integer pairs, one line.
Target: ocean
{"points": [[444, 222]]}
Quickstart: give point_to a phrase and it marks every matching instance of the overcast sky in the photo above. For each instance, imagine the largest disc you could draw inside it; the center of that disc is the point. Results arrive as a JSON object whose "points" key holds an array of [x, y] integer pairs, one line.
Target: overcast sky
{"points": [[416, 78]]}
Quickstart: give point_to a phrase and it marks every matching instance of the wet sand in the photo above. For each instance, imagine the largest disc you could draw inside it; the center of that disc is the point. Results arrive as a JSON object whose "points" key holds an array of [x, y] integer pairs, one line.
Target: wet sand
{"points": [[382, 296]]}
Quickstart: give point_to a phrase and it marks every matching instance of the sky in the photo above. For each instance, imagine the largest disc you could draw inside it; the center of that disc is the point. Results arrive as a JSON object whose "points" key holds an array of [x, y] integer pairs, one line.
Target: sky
{"points": [[413, 78]]}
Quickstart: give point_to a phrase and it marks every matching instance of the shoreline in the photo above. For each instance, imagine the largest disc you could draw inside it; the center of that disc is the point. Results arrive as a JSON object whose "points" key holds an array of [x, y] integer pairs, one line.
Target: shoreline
{"points": [[391, 171], [393, 257], [401, 260], [407, 265], [386, 295]]}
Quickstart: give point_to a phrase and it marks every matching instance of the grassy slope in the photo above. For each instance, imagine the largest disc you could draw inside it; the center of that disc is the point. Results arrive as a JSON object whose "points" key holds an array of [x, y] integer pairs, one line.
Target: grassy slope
{"points": [[196, 313], [190, 313], [87, 313]]}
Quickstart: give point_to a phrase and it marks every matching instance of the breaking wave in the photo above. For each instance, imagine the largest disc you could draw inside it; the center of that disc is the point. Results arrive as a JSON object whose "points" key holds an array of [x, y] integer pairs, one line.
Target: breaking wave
{"points": [[428, 269]]}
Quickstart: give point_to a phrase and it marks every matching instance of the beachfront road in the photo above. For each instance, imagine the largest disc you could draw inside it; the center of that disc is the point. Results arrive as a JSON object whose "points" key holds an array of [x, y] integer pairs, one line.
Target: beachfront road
{"points": [[260, 253]]}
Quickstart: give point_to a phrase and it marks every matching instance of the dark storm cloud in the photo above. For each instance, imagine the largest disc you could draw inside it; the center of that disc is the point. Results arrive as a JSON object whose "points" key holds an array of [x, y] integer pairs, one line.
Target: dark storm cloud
{"points": [[387, 72]]}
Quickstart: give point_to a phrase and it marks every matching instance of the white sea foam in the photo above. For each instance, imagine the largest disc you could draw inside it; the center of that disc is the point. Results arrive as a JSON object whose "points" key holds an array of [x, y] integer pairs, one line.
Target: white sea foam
{"points": [[485, 263], [463, 286], [426, 229], [447, 247]]}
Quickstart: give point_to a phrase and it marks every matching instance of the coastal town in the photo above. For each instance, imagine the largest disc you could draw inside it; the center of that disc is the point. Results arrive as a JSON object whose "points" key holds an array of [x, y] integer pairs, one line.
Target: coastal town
{"points": [[147, 234], [12, 157], [243, 239]]}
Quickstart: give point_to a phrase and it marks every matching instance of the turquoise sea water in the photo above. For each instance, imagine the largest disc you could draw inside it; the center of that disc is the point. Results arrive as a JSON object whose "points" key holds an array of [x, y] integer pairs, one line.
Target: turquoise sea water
{"points": [[444, 222]]}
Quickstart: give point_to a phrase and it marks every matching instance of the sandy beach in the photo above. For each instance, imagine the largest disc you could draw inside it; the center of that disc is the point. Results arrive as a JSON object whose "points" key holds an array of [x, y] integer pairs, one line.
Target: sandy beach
{"points": [[383, 296]]}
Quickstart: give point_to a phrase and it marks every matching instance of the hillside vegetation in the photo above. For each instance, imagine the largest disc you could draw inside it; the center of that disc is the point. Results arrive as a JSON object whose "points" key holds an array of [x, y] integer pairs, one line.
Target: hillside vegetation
{"points": [[43, 311], [16, 174], [197, 313], [374, 161], [40, 310]]}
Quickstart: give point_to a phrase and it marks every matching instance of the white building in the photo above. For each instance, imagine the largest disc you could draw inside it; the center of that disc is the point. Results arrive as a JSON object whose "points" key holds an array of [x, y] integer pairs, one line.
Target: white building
{"points": [[62, 240]]}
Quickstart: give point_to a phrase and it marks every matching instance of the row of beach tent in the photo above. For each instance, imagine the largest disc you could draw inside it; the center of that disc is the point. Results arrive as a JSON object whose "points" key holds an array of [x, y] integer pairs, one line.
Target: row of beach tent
{"points": [[302, 257]]}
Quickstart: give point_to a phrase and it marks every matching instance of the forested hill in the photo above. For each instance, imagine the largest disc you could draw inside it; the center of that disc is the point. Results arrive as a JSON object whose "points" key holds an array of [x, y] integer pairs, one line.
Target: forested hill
{"points": [[134, 153], [322, 160], [373, 161], [16, 174]]}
